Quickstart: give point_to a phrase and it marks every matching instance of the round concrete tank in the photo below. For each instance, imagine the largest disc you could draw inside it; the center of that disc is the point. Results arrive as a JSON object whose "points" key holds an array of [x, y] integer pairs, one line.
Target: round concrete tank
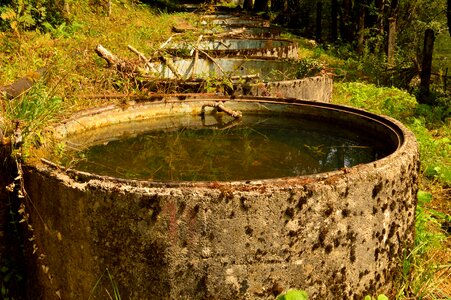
{"points": [[338, 235], [250, 77], [237, 31]]}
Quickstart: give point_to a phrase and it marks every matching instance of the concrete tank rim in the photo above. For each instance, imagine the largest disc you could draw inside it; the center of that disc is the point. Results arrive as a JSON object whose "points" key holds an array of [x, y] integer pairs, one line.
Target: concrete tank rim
{"points": [[277, 39], [407, 141]]}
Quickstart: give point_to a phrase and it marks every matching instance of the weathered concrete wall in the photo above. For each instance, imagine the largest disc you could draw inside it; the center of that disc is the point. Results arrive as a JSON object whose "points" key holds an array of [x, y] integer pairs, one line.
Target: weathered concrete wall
{"points": [[274, 75], [317, 88], [254, 32], [240, 22], [268, 69], [339, 235], [249, 48]]}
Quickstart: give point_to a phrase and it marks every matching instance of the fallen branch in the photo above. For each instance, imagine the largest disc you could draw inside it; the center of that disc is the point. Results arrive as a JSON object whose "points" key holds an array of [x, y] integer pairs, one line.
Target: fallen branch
{"points": [[167, 42], [212, 59], [219, 106], [140, 55], [196, 57], [231, 33], [116, 62], [250, 76]]}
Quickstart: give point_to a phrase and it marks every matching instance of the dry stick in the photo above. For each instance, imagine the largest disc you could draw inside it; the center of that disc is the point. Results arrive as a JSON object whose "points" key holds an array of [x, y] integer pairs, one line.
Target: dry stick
{"points": [[109, 8], [212, 59], [196, 57], [220, 106], [167, 42], [196, 45], [232, 32], [171, 66], [168, 62], [143, 57], [250, 76], [224, 44]]}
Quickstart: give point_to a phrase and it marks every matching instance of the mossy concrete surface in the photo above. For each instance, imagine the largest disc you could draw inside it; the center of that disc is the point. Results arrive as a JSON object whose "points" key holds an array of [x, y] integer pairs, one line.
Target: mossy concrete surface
{"points": [[338, 235]]}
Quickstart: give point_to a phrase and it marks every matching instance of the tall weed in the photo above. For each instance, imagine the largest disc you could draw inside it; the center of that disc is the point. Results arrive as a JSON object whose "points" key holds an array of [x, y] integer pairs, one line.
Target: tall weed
{"points": [[418, 268], [34, 110]]}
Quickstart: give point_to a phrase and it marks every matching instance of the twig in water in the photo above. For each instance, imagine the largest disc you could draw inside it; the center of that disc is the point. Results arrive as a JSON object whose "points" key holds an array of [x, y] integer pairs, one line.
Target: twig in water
{"points": [[219, 106]]}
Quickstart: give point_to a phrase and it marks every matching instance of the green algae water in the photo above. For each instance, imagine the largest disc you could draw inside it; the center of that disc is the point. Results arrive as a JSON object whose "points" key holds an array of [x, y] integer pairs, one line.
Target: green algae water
{"points": [[261, 147]]}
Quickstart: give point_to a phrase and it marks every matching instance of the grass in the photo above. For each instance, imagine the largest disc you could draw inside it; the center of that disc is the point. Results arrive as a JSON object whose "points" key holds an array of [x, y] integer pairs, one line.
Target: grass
{"points": [[76, 71]]}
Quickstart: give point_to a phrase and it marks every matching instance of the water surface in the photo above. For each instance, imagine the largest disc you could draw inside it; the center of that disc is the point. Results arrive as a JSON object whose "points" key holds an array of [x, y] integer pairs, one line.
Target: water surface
{"points": [[261, 147]]}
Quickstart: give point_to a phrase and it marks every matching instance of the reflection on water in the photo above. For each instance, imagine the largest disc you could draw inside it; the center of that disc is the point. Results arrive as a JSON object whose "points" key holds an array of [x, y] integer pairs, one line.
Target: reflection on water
{"points": [[272, 147]]}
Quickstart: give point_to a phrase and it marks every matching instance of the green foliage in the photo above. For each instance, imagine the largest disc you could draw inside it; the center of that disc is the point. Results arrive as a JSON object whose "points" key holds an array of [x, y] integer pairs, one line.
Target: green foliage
{"points": [[308, 67], [63, 30], [115, 295], [379, 297], [435, 149], [382, 100], [217, 84], [427, 122], [293, 295], [9, 276], [22, 15]]}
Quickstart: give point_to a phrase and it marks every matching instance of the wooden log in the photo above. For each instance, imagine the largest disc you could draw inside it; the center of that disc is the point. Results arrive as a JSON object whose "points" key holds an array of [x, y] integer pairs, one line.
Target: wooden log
{"points": [[140, 55], [110, 58], [22, 85]]}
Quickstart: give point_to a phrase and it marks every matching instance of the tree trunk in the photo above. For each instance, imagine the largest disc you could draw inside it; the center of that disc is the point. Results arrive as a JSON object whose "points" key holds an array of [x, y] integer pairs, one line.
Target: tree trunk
{"points": [[380, 6], [248, 5], [391, 42], [345, 21], [279, 5], [394, 8], [261, 5], [448, 14], [361, 29], [426, 66], [334, 16], [319, 13]]}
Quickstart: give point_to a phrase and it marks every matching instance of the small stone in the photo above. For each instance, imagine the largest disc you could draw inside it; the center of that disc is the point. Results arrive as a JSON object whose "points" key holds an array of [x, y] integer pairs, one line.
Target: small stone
{"points": [[206, 252]]}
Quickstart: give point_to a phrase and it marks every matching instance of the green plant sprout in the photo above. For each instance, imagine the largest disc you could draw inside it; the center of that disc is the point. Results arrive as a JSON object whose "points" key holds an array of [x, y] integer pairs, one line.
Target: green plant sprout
{"points": [[293, 295]]}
